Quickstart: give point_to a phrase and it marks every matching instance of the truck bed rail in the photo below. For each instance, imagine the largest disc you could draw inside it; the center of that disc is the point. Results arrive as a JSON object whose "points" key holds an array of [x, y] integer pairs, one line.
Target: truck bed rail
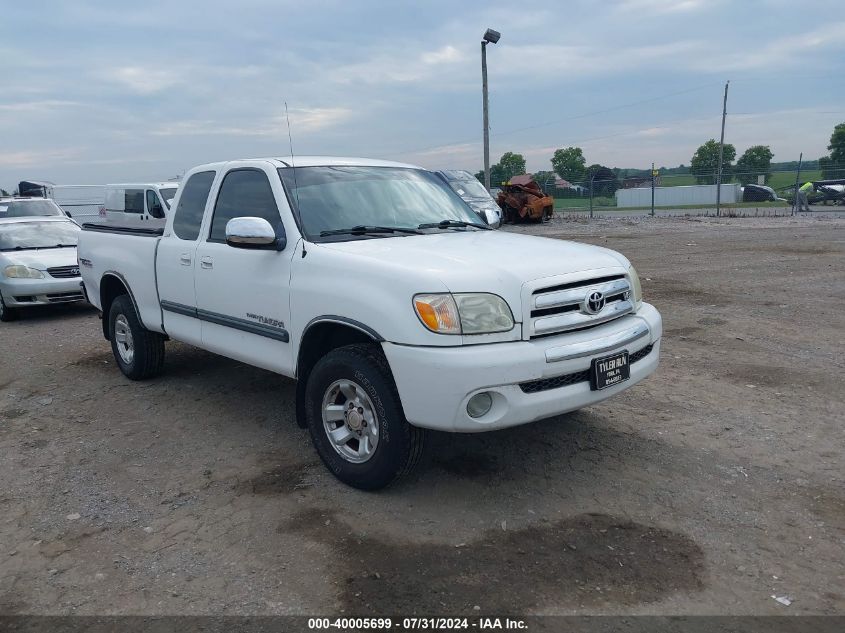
{"points": [[125, 230]]}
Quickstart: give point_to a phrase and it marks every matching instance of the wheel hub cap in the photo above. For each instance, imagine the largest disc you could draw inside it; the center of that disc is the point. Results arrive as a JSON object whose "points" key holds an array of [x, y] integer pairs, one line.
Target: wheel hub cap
{"points": [[123, 339], [350, 421]]}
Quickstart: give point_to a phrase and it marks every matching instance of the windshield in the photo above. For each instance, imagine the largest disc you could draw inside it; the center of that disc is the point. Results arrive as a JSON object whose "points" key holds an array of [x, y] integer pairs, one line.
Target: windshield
{"points": [[469, 189], [341, 197], [24, 235], [25, 208], [167, 195]]}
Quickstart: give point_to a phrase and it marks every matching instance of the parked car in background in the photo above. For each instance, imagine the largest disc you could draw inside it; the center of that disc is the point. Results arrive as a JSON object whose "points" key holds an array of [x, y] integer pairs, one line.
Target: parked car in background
{"points": [[760, 193], [80, 202], [376, 287], [38, 263], [142, 204], [474, 194]]}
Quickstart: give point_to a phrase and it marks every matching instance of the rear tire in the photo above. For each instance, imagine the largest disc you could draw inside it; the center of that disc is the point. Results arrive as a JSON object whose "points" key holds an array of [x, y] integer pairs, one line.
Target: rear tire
{"points": [[351, 397], [138, 352], [6, 313]]}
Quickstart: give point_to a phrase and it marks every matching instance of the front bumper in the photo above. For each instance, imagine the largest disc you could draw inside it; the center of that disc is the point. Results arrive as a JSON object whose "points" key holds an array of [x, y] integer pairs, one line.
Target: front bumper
{"points": [[435, 383], [19, 293]]}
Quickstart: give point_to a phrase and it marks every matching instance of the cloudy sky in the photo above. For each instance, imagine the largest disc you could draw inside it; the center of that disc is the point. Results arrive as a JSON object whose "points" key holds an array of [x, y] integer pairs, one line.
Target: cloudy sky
{"points": [[95, 92]]}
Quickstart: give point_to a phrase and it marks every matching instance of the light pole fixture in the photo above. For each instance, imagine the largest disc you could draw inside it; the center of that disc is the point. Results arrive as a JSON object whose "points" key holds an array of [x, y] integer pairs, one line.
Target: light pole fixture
{"points": [[490, 37]]}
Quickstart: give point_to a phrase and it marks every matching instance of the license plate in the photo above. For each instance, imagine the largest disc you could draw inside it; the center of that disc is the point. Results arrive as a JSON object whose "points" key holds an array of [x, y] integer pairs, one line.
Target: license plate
{"points": [[608, 371]]}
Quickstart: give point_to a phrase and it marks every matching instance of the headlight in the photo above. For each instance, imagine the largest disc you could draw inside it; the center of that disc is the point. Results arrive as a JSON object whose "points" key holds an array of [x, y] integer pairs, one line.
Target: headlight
{"points": [[636, 288], [22, 272], [464, 313]]}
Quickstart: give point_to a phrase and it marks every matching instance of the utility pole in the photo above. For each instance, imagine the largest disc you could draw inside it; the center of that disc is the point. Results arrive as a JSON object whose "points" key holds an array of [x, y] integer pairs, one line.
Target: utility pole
{"points": [[490, 37], [653, 174], [486, 115], [721, 152]]}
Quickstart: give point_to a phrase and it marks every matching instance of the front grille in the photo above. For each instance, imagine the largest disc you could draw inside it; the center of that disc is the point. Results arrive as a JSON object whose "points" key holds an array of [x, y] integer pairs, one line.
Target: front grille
{"points": [[64, 272], [564, 307], [579, 376], [640, 354], [62, 297]]}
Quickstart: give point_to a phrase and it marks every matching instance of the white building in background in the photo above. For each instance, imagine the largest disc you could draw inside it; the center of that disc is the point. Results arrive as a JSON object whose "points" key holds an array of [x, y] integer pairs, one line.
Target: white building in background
{"points": [[703, 195]]}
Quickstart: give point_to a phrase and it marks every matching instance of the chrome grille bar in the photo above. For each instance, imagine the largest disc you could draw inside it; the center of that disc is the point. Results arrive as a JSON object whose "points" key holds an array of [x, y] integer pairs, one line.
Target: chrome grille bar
{"points": [[575, 320], [573, 296]]}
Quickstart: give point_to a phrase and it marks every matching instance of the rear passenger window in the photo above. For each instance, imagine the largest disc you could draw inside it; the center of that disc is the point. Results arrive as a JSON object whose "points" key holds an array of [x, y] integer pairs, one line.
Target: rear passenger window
{"points": [[133, 201], [244, 192], [188, 216]]}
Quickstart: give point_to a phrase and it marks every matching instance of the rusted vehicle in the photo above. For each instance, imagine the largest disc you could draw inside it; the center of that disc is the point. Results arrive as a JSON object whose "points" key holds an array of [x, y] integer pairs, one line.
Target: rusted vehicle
{"points": [[524, 201]]}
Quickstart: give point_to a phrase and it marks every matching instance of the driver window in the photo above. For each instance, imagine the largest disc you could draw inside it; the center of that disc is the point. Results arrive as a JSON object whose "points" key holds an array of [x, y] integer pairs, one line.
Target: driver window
{"points": [[244, 192], [153, 204]]}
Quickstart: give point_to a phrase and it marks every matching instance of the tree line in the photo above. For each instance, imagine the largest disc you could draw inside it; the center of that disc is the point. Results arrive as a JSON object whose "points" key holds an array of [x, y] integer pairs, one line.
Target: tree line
{"points": [[570, 164]]}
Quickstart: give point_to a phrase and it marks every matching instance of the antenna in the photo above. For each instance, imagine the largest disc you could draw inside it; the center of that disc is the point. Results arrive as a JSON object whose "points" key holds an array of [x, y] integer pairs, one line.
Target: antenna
{"points": [[292, 161]]}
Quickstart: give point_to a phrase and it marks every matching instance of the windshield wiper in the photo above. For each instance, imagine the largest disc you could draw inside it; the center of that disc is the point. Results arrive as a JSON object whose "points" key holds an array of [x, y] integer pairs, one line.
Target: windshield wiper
{"points": [[363, 230], [449, 224]]}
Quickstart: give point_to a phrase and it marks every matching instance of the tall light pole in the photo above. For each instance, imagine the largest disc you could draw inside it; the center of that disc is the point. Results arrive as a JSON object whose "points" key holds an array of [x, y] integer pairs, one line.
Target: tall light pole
{"points": [[721, 153], [490, 37]]}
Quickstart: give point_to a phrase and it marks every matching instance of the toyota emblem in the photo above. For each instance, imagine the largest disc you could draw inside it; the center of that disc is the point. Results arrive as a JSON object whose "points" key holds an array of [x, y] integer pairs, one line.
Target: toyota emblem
{"points": [[593, 302]]}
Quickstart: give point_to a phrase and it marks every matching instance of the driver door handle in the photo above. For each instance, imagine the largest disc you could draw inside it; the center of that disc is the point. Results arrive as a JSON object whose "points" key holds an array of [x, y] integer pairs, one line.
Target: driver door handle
{"points": [[185, 258], [206, 262]]}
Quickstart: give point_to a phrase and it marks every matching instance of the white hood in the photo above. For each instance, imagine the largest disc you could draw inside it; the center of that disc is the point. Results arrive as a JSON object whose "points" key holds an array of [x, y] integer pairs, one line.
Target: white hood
{"points": [[41, 259], [484, 261]]}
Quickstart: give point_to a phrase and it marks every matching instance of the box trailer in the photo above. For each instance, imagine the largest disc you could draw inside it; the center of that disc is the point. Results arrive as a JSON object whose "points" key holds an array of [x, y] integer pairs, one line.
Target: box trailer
{"points": [[688, 195], [84, 203]]}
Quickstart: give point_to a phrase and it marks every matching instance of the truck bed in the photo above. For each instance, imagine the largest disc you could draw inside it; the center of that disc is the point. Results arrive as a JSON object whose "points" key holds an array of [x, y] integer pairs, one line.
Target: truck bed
{"points": [[127, 253]]}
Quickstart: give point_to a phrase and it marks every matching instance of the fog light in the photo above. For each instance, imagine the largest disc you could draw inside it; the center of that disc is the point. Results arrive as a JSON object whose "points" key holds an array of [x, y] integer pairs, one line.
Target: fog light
{"points": [[479, 404]]}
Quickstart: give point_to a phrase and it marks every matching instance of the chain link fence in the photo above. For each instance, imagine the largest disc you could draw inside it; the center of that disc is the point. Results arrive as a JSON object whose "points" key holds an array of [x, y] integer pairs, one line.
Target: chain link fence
{"points": [[742, 193]]}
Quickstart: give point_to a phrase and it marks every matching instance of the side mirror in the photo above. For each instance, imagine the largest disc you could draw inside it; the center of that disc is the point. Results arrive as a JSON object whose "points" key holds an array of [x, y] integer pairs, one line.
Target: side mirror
{"points": [[492, 218], [249, 232], [156, 211]]}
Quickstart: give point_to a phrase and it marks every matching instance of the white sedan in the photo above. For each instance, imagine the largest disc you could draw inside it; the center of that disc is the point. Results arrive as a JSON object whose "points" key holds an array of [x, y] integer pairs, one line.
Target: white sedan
{"points": [[38, 263]]}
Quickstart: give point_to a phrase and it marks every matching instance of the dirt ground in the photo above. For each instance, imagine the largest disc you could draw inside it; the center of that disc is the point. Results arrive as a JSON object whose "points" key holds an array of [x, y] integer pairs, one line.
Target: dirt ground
{"points": [[709, 488]]}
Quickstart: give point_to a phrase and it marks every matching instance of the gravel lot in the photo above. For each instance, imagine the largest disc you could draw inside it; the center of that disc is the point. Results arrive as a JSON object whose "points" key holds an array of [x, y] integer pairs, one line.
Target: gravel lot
{"points": [[709, 488]]}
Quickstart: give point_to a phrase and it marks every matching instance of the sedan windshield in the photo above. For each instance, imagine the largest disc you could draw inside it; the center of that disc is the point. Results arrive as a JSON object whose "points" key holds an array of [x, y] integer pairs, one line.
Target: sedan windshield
{"points": [[25, 208], [469, 189], [16, 236], [330, 200]]}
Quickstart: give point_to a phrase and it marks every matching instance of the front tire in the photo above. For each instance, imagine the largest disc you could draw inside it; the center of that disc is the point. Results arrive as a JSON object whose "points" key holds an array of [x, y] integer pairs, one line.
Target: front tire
{"points": [[7, 313], [138, 352], [356, 421]]}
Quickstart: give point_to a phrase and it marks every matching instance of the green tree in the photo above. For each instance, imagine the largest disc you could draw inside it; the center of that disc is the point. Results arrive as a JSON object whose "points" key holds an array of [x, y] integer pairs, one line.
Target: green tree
{"points": [[829, 169], [837, 145], [705, 163], [511, 165], [546, 180], [756, 160], [569, 164], [603, 179], [833, 166]]}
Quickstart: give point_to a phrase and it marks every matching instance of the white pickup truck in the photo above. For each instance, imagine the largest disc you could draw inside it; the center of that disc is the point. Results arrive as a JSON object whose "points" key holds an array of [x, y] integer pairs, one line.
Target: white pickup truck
{"points": [[374, 286]]}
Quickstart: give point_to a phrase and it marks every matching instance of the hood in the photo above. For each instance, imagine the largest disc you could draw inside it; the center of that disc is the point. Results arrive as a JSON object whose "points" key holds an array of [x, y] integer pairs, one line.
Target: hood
{"points": [[484, 261], [482, 203], [42, 259]]}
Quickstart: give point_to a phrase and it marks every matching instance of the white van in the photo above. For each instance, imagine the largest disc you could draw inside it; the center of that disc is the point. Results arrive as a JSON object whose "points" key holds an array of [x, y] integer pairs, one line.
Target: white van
{"points": [[133, 204]]}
